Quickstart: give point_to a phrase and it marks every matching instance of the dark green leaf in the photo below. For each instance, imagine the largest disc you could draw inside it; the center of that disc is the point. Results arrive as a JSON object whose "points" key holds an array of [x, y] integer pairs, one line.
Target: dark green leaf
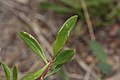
{"points": [[73, 3], [15, 73], [105, 68], [63, 34], [62, 75], [64, 56], [54, 69], [98, 50], [7, 71], [33, 44], [54, 7], [35, 75]]}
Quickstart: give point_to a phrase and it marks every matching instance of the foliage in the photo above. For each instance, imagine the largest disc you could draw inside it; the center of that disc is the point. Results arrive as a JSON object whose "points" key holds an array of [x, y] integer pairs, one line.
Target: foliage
{"points": [[60, 56], [63, 34], [8, 72], [102, 56], [102, 12], [98, 50], [33, 43]]}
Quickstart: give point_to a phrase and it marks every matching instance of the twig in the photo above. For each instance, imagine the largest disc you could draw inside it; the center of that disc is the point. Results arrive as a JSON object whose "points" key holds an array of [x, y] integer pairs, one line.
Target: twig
{"points": [[32, 68], [32, 24], [87, 76], [85, 67], [84, 6], [29, 11], [46, 71], [75, 76]]}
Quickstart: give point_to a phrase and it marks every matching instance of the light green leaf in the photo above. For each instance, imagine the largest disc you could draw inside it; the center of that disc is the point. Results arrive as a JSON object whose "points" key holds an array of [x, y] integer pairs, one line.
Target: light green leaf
{"points": [[105, 68], [98, 50], [35, 75], [64, 56], [15, 73], [54, 7], [63, 34], [7, 71], [33, 44]]}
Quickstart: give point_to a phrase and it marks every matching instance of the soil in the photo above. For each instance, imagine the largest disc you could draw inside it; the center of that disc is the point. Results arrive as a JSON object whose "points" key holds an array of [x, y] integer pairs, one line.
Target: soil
{"points": [[13, 51]]}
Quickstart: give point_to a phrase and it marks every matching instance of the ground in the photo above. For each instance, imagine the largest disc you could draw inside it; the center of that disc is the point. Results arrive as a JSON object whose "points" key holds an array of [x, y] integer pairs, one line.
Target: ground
{"points": [[25, 15]]}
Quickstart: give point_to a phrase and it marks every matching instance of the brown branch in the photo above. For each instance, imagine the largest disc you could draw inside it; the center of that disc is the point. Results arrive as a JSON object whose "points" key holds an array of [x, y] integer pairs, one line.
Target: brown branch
{"points": [[46, 71], [84, 6]]}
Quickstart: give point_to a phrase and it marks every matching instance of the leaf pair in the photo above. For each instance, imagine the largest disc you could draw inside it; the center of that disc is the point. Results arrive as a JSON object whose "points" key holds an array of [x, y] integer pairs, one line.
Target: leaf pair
{"points": [[62, 36], [60, 57], [8, 72]]}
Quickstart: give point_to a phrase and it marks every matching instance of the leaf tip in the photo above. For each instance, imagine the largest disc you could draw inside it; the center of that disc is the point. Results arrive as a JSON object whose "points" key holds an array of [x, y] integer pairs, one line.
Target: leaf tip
{"points": [[75, 16], [21, 32]]}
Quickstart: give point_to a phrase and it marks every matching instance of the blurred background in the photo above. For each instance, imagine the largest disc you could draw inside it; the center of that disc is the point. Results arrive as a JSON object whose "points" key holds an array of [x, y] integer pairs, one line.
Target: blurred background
{"points": [[43, 19]]}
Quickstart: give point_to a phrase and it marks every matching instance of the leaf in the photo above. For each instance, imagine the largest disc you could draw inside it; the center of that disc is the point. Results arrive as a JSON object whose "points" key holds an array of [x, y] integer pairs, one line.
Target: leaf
{"points": [[33, 44], [76, 4], [7, 71], [62, 75], [64, 56], [15, 73], [63, 34], [105, 68], [98, 50], [54, 7], [35, 75], [54, 69]]}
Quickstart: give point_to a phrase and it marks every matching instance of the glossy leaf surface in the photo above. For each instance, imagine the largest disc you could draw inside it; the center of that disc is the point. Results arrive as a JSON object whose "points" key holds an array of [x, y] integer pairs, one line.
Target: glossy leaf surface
{"points": [[64, 56], [15, 73], [63, 34], [7, 71], [33, 44]]}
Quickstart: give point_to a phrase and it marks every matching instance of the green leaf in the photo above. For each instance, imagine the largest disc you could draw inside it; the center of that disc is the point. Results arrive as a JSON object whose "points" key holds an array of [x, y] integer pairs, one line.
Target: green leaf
{"points": [[54, 69], [98, 50], [64, 56], [33, 44], [35, 75], [62, 75], [7, 71], [105, 68], [63, 34], [54, 7], [73, 3], [15, 73]]}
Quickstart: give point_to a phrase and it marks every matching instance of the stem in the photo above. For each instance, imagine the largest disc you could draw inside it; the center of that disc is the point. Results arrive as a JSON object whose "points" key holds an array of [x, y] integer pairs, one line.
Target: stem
{"points": [[84, 6], [46, 71]]}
